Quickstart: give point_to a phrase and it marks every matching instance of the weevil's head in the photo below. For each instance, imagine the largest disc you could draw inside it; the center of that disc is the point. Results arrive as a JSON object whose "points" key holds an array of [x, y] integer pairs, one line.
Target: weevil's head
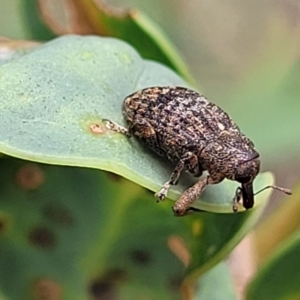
{"points": [[245, 164], [233, 157], [245, 173]]}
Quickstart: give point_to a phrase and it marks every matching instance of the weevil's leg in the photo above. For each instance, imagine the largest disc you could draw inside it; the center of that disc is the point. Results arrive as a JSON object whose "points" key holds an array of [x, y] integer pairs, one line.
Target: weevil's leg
{"points": [[116, 127], [182, 205], [236, 199], [188, 197], [188, 161], [192, 166]]}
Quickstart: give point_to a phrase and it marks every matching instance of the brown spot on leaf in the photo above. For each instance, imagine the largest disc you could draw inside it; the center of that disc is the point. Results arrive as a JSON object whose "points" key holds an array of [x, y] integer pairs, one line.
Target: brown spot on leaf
{"points": [[105, 288], [141, 257], [4, 222], [2, 225], [42, 237], [114, 177], [47, 289], [58, 214], [175, 284], [116, 275], [30, 176]]}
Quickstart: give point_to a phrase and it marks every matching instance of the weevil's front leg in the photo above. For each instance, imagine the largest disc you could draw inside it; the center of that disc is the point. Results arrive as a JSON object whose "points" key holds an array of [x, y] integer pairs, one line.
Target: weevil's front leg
{"points": [[188, 161], [116, 127], [182, 205], [236, 199]]}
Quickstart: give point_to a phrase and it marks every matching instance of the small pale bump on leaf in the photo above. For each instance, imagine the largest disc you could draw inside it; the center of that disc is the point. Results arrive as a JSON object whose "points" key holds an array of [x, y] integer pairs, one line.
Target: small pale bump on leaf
{"points": [[278, 278], [97, 128]]}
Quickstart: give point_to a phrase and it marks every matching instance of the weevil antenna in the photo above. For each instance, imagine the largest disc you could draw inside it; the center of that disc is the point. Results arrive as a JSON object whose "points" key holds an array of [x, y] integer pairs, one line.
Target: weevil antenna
{"points": [[281, 189]]}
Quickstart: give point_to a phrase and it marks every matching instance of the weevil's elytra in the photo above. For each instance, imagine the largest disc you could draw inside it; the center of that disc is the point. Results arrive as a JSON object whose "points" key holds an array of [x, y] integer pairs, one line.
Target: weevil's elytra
{"points": [[196, 135]]}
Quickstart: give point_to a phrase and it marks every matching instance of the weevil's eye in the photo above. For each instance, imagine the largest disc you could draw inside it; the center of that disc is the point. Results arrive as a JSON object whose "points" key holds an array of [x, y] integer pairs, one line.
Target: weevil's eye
{"points": [[243, 179], [247, 171]]}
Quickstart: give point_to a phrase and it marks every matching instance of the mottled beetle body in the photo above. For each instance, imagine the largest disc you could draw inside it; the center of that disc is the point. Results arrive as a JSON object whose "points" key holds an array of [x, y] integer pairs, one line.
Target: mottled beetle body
{"points": [[196, 135]]}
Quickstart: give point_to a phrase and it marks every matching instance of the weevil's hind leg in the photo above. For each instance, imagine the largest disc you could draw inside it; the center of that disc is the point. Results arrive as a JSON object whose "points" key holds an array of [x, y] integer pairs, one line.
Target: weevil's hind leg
{"points": [[189, 161], [182, 205], [116, 127], [236, 199]]}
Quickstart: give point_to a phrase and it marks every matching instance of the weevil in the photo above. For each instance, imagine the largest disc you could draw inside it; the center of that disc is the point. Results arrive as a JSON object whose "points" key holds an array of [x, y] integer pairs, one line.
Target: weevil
{"points": [[196, 135]]}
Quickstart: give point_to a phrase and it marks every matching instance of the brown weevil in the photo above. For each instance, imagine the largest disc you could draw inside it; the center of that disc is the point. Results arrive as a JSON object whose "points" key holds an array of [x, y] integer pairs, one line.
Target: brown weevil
{"points": [[197, 136]]}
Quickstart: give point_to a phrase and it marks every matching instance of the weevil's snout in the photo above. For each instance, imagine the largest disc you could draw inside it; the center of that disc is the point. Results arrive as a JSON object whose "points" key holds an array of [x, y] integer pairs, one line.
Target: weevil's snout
{"points": [[247, 194], [245, 174]]}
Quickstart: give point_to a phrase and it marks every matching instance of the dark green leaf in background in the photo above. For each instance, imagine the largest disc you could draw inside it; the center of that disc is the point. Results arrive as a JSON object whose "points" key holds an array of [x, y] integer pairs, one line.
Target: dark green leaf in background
{"points": [[76, 232], [72, 232], [279, 277], [33, 21]]}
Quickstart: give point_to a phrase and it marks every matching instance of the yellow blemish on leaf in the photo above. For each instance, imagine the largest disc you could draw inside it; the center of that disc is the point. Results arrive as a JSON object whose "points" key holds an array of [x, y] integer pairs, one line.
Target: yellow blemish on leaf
{"points": [[197, 228]]}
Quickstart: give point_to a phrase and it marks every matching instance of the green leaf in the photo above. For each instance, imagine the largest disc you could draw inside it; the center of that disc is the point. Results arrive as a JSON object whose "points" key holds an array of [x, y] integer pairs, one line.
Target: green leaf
{"points": [[218, 240], [53, 101], [216, 284], [279, 277], [281, 224], [77, 232]]}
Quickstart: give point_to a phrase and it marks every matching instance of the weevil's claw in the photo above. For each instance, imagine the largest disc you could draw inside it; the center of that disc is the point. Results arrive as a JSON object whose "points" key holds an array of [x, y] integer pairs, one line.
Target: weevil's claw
{"points": [[162, 193], [236, 199], [178, 212], [108, 124], [235, 207]]}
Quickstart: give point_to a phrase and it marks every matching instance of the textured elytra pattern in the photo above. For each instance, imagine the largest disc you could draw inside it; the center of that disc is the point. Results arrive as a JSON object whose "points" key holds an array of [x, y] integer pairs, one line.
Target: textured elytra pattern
{"points": [[182, 120]]}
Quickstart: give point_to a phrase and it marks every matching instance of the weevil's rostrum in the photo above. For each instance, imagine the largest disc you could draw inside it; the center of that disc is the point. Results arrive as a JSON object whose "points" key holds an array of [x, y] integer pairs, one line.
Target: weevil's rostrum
{"points": [[196, 135]]}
